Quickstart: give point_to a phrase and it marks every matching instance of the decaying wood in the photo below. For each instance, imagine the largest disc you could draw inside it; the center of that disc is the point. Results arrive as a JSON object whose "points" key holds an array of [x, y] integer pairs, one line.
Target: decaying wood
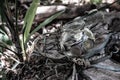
{"points": [[102, 74], [70, 11]]}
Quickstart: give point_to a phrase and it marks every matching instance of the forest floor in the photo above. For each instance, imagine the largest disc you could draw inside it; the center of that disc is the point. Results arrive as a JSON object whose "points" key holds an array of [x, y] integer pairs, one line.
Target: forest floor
{"points": [[46, 59]]}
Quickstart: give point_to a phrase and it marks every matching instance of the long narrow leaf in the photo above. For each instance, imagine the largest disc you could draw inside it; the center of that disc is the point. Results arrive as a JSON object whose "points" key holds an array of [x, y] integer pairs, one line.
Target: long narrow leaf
{"points": [[47, 21], [2, 18], [4, 45], [29, 18], [4, 37]]}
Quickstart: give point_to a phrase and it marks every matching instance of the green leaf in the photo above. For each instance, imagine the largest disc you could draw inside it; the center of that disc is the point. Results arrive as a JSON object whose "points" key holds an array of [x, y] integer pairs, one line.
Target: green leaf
{"points": [[47, 21], [96, 1], [6, 46], [3, 44], [29, 17], [4, 38]]}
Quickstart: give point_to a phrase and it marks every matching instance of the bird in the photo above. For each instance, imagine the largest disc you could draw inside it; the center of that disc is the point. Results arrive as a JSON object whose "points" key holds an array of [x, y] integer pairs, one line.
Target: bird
{"points": [[77, 42]]}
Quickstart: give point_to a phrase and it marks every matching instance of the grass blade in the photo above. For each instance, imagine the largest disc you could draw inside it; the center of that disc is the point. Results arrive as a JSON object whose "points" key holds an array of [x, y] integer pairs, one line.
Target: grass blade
{"points": [[29, 17], [47, 21]]}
